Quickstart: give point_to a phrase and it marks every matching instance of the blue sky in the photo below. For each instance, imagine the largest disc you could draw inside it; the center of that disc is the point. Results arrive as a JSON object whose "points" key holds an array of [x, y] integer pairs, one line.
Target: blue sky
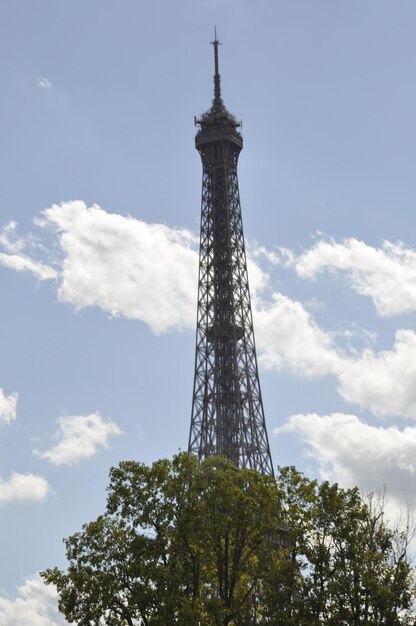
{"points": [[99, 220]]}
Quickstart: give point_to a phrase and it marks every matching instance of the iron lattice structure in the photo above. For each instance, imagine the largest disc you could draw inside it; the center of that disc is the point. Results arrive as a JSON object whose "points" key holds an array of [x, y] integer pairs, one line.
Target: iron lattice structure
{"points": [[227, 408]]}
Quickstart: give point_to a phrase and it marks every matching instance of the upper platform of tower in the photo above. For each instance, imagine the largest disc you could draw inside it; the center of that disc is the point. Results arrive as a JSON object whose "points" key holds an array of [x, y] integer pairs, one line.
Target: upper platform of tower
{"points": [[217, 123]]}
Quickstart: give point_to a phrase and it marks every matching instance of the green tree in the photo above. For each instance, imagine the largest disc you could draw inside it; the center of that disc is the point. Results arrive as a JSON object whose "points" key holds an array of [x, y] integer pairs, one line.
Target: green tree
{"points": [[349, 568], [180, 543], [189, 543]]}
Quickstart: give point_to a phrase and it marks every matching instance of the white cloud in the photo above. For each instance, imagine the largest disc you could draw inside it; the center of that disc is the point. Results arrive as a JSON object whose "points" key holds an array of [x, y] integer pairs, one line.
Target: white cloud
{"points": [[258, 279], [288, 337], [22, 263], [387, 275], [14, 257], [78, 437], [8, 405], [274, 258], [23, 488], [9, 240], [125, 266], [35, 605], [44, 83], [352, 452], [384, 382]]}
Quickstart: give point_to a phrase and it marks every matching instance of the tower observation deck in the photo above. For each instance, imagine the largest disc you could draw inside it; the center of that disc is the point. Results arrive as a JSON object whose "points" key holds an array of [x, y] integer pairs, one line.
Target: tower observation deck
{"points": [[227, 407]]}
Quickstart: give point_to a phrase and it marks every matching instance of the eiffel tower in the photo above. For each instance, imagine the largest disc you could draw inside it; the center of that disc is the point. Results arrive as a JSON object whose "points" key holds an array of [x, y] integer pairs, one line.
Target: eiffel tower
{"points": [[227, 407]]}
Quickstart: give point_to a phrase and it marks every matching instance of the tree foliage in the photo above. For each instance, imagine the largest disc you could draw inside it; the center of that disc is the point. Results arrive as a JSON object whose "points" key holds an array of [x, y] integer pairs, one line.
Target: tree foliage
{"points": [[209, 544]]}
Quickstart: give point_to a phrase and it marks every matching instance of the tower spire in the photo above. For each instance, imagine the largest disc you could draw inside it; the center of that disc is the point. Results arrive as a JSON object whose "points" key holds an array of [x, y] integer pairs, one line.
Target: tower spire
{"points": [[217, 78]]}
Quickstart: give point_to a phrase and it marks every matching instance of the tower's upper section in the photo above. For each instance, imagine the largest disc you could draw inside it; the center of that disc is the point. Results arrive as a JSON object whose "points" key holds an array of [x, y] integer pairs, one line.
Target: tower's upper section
{"points": [[217, 123]]}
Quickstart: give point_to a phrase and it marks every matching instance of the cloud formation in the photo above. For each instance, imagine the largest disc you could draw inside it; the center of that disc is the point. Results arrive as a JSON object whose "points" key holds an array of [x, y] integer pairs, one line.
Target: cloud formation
{"points": [[288, 338], [23, 488], [9, 239], [384, 381], [387, 275], [79, 437], [22, 263], [35, 605], [125, 266], [352, 452], [44, 83], [8, 406], [14, 256]]}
